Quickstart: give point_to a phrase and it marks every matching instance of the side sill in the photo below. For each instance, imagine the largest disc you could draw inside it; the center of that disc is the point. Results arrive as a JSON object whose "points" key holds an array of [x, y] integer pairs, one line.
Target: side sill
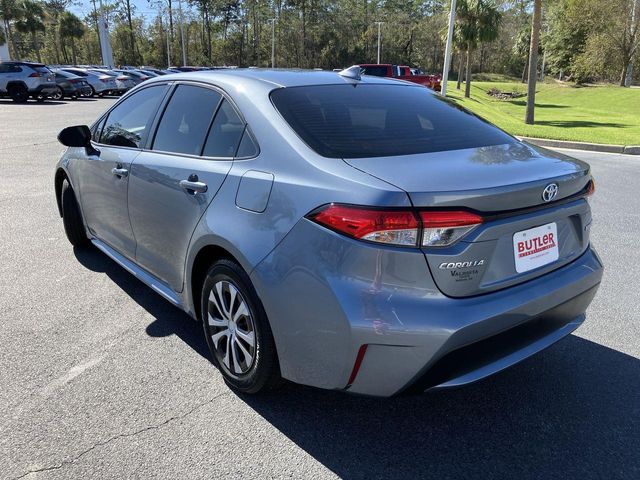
{"points": [[145, 277]]}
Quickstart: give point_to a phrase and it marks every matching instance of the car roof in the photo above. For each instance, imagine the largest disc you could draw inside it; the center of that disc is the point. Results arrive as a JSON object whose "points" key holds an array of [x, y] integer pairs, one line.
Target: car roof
{"points": [[273, 77], [28, 64]]}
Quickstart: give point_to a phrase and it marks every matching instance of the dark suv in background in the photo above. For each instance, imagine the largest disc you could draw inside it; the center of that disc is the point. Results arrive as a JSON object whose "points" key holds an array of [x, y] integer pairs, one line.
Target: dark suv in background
{"points": [[21, 80]]}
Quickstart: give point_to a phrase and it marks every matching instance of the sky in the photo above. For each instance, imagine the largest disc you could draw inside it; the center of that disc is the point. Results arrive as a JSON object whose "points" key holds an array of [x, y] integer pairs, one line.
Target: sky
{"points": [[141, 7]]}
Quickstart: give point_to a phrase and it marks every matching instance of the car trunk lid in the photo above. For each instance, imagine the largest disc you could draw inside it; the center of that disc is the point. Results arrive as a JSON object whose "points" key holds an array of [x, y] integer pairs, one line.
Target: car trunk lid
{"points": [[504, 184]]}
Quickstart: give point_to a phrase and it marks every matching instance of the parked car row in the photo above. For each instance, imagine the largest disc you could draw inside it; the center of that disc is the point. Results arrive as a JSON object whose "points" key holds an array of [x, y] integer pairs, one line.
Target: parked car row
{"points": [[23, 80]]}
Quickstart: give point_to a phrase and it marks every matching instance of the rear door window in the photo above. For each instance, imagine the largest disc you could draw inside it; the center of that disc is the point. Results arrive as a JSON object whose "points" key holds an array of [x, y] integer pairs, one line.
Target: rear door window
{"points": [[375, 71], [128, 122], [186, 120], [248, 146], [225, 134], [369, 120]]}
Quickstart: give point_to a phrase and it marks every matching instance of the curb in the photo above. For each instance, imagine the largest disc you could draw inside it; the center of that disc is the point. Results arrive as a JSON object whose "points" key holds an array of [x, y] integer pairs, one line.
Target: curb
{"points": [[594, 147]]}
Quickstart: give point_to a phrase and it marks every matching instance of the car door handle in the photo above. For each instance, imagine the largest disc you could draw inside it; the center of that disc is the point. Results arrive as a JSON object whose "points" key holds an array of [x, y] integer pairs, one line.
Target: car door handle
{"points": [[120, 172], [193, 187]]}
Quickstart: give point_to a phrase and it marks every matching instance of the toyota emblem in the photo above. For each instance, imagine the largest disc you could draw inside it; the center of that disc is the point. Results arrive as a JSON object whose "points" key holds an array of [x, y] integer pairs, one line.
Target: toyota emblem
{"points": [[550, 192]]}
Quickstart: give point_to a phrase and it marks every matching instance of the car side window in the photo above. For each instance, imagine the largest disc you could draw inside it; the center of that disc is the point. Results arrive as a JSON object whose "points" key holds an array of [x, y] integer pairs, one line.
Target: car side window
{"points": [[186, 119], [248, 147], [225, 134], [128, 121]]}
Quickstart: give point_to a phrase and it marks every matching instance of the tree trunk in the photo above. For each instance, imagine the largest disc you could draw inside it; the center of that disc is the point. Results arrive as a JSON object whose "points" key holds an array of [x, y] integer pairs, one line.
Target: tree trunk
{"points": [[460, 66], [525, 70], [73, 52], [131, 34], [36, 47], [623, 75], [10, 45], [533, 62], [467, 86], [170, 21]]}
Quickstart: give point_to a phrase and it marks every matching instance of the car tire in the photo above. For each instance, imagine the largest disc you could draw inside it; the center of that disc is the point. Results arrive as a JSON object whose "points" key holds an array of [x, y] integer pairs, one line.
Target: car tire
{"points": [[227, 293], [72, 217], [19, 93], [57, 95], [93, 92]]}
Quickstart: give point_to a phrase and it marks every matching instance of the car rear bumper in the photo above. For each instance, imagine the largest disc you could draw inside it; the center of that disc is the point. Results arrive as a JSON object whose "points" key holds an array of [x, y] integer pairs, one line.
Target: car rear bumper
{"points": [[327, 296]]}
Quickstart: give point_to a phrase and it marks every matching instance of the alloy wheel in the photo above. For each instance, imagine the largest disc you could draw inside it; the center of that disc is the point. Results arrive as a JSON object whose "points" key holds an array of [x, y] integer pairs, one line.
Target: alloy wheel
{"points": [[231, 328]]}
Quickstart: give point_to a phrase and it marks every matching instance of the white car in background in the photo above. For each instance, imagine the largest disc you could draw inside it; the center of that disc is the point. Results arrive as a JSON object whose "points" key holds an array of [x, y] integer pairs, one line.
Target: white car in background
{"points": [[123, 82], [100, 83]]}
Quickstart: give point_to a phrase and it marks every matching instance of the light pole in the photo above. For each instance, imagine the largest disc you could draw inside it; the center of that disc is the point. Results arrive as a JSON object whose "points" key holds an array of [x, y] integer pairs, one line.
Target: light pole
{"points": [[184, 50], [447, 50], [273, 42], [379, 24]]}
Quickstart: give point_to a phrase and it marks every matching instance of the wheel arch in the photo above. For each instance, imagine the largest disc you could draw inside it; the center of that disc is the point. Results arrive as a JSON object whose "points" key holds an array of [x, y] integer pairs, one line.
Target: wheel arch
{"points": [[206, 256], [16, 83], [60, 177]]}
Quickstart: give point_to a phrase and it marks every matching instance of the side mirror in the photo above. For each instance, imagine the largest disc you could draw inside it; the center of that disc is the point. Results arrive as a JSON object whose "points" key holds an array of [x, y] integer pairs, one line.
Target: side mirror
{"points": [[77, 136]]}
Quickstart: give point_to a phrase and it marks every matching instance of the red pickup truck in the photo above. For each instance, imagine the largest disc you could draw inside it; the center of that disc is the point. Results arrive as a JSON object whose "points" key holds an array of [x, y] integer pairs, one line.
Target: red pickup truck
{"points": [[401, 72]]}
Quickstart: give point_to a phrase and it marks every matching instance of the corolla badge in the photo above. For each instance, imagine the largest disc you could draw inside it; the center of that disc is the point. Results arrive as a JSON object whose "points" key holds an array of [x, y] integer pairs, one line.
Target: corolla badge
{"points": [[550, 192]]}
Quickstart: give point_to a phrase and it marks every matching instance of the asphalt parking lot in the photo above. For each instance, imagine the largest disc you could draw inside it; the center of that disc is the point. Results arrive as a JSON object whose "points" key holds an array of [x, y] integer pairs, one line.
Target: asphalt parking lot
{"points": [[102, 378]]}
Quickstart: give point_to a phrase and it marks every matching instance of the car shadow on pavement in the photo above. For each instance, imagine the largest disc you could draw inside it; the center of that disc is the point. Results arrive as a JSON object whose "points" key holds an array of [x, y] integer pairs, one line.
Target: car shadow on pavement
{"points": [[168, 320], [572, 411]]}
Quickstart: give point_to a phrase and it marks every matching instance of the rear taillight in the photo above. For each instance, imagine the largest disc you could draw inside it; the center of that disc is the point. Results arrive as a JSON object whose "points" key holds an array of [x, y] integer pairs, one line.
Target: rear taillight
{"points": [[397, 227], [383, 226], [440, 229], [36, 75], [75, 81], [105, 80], [591, 188]]}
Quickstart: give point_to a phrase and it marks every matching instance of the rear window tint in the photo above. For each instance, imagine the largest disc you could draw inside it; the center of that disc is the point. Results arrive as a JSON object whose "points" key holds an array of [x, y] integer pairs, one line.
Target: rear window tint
{"points": [[346, 121]]}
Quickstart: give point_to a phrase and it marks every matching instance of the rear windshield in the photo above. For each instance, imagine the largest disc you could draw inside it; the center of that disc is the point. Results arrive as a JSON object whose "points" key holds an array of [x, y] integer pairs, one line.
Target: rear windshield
{"points": [[347, 121]]}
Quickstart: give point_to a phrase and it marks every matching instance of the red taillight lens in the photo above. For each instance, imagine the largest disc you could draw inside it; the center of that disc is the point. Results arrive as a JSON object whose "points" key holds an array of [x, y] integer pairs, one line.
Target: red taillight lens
{"points": [[591, 188], [441, 229], [383, 226], [36, 75], [398, 227]]}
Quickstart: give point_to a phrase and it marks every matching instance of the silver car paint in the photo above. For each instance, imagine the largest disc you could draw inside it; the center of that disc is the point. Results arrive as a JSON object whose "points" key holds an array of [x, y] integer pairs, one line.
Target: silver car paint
{"points": [[325, 294]]}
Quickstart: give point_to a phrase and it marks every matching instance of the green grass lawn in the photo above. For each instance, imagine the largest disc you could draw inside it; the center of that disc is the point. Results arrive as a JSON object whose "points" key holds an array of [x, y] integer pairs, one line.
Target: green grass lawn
{"points": [[597, 114]]}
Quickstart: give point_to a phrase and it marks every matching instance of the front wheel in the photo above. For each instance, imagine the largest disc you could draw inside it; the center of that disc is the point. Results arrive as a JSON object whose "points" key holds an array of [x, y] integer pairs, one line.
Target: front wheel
{"points": [[71, 216], [237, 330]]}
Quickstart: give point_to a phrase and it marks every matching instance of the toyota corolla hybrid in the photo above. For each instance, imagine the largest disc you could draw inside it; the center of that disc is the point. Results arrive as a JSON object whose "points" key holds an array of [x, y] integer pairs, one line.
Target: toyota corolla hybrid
{"points": [[351, 233]]}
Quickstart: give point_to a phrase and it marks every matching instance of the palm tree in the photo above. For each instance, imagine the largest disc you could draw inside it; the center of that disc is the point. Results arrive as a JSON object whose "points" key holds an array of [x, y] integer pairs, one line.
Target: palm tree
{"points": [[479, 22], [71, 28], [30, 22], [9, 12], [533, 61]]}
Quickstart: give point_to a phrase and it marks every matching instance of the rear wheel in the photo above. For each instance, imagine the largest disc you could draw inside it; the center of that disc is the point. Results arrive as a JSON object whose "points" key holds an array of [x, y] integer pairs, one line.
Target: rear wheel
{"points": [[71, 216], [19, 93], [57, 95], [93, 92], [237, 330]]}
